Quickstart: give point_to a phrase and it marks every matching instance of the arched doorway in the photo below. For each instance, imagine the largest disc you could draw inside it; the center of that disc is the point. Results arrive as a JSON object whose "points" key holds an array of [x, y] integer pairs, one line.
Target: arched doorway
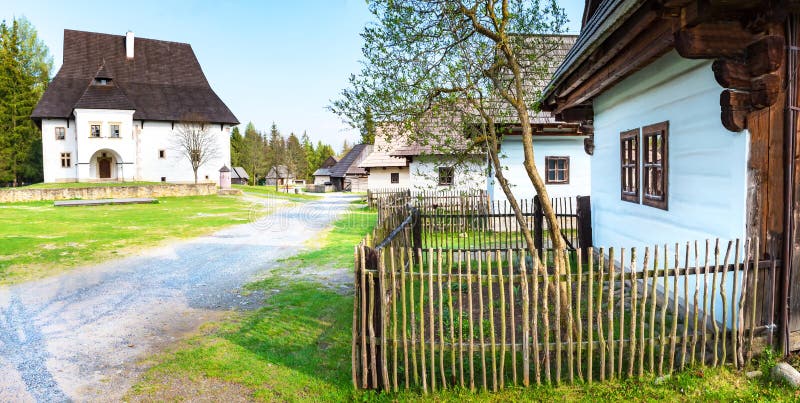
{"points": [[105, 165]]}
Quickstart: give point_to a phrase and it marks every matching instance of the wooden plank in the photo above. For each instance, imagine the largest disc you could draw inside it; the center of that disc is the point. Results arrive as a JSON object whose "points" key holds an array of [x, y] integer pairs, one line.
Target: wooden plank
{"points": [[713, 40], [513, 324], [480, 323], [471, 326], [356, 297], [731, 73]]}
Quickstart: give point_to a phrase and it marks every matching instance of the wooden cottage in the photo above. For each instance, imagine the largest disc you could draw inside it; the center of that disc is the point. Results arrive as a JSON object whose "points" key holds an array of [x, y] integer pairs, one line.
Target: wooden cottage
{"points": [[693, 105]]}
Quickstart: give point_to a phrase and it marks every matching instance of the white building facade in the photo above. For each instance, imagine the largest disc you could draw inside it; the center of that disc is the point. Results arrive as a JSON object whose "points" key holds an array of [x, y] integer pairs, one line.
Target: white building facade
{"points": [[113, 111], [561, 161], [124, 150], [707, 164]]}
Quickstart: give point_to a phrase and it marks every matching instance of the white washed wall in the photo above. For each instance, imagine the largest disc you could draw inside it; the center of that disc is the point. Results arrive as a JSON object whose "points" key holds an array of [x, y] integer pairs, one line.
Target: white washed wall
{"points": [[553, 146], [176, 167], [381, 178], [136, 150], [707, 163], [52, 149], [470, 173]]}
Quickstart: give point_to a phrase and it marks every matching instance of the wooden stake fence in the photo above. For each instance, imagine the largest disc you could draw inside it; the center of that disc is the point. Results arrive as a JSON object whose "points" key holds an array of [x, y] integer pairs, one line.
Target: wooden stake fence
{"points": [[433, 318]]}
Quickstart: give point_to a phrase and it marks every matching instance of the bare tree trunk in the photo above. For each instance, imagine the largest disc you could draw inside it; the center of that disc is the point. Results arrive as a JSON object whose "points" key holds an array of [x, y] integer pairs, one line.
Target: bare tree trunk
{"points": [[195, 176], [521, 222]]}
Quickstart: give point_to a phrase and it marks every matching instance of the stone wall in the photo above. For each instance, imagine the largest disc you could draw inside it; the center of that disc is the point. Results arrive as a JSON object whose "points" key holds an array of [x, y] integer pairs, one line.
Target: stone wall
{"points": [[107, 192]]}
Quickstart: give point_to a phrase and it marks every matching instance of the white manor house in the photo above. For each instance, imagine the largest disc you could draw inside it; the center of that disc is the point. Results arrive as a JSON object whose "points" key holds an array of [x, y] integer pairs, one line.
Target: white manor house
{"points": [[111, 112]]}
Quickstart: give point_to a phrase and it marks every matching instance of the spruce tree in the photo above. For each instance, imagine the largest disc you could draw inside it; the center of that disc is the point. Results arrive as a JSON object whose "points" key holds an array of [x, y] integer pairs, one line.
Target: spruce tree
{"points": [[25, 66]]}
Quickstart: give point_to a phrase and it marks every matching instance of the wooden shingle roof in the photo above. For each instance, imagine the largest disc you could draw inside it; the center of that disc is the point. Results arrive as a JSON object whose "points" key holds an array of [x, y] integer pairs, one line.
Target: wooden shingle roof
{"points": [[348, 165], [163, 81]]}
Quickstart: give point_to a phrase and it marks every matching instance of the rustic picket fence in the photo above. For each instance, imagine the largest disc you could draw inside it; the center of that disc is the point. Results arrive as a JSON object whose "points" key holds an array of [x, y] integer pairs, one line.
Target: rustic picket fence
{"points": [[470, 220], [436, 318]]}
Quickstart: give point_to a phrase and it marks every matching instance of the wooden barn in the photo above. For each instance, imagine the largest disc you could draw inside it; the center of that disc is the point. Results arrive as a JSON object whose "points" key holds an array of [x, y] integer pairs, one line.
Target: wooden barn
{"points": [[693, 106]]}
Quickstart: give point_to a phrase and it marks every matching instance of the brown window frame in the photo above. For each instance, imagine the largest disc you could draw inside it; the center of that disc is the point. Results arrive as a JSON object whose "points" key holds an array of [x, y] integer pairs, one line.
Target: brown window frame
{"points": [[626, 163], [394, 177], [446, 180], [66, 160], [651, 162], [547, 170], [63, 133]]}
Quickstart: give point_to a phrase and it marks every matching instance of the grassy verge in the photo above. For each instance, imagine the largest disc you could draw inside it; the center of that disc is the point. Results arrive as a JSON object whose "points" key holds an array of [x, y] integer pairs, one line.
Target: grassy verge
{"points": [[65, 185], [297, 348], [37, 239], [271, 192]]}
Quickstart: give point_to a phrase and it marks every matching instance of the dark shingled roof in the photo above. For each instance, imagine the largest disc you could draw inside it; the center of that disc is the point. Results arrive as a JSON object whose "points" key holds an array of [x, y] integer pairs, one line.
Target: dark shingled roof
{"points": [[163, 81], [348, 165]]}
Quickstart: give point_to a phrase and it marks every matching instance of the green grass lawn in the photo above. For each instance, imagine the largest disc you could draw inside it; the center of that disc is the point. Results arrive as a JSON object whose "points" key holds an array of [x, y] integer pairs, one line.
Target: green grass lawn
{"points": [[65, 185], [37, 239], [269, 191], [297, 348]]}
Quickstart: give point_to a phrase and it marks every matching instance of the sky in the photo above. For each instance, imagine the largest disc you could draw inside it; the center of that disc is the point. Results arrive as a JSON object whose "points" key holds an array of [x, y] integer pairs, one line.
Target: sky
{"points": [[269, 61]]}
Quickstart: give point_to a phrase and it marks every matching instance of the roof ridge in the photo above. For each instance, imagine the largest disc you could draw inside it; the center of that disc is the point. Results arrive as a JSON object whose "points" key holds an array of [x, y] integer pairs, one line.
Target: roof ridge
{"points": [[138, 38]]}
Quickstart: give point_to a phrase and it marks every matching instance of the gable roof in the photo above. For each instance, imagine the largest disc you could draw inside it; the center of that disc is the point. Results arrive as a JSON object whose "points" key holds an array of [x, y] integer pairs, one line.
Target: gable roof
{"points": [[322, 172], [281, 170], [381, 155], [163, 81], [329, 162], [239, 172], [348, 165]]}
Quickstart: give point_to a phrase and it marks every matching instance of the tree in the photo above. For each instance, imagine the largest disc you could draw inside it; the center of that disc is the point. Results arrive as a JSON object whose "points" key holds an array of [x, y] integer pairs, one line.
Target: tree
{"points": [[25, 65], [296, 157], [368, 127], [275, 152], [442, 65], [346, 146], [237, 147], [193, 140], [308, 151], [252, 155]]}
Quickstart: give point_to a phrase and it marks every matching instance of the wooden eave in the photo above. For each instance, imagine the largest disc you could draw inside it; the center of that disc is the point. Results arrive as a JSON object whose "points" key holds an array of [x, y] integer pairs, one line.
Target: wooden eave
{"points": [[734, 33]]}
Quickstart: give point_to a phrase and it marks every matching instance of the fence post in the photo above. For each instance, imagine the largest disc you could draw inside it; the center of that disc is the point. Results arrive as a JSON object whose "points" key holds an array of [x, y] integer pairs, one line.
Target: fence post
{"points": [[416, 230], [375, 360], [584, 222], [538, 224]]}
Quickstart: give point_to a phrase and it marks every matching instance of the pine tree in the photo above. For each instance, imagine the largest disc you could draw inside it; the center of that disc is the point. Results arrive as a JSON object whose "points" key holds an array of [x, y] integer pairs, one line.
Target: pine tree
{"points": [[308, 151], [25, 66], [252, 154], [346, 146], [295, 157], [368, 128], [237, 147]]}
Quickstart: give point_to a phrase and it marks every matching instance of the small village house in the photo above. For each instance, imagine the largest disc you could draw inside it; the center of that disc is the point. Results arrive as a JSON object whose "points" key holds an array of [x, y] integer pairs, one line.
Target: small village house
{"points": [[239, 176], [322, 176], [112, 108], [560, 155], [693, 106], [279, 175], [386, 171], [346, 175]]}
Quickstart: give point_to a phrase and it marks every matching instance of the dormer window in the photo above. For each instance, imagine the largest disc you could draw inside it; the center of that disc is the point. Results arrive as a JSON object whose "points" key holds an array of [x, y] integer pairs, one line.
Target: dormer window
{"points": [[101, 81]]}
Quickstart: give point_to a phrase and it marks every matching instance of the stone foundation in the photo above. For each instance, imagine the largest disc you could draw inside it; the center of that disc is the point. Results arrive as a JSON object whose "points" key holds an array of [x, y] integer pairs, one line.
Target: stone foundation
{"points": [[107, 192]]}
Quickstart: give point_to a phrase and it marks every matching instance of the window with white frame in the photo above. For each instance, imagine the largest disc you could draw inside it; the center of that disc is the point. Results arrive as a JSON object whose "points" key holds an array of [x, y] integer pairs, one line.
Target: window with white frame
{"points": [[61, 133], [114, 130], [94, 130]]}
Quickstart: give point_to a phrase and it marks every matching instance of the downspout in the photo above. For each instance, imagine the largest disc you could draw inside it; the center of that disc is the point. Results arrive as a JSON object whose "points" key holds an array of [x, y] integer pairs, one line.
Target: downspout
{"points": [[790, 136]]}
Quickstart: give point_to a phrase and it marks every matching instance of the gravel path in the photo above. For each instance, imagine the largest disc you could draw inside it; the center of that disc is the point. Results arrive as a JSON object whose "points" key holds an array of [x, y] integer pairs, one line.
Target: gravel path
{"points": [[82, 335]]}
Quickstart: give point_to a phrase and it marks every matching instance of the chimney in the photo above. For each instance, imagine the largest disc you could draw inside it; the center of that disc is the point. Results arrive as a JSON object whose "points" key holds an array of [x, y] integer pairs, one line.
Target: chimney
{"points": [[129, 44]]}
